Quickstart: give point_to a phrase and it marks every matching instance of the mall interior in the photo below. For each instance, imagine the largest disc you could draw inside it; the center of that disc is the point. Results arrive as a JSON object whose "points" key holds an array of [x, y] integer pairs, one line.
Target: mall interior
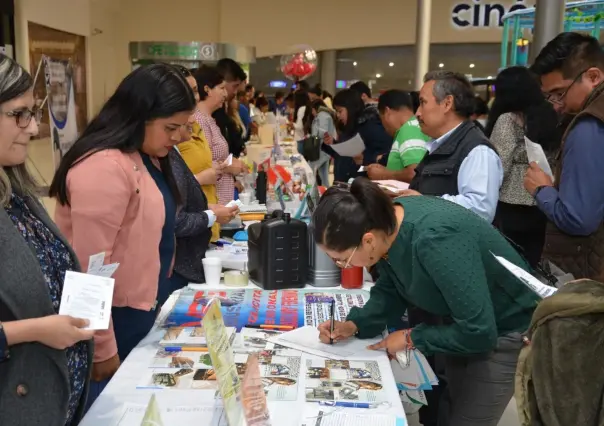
{"points": [[388, 44]]}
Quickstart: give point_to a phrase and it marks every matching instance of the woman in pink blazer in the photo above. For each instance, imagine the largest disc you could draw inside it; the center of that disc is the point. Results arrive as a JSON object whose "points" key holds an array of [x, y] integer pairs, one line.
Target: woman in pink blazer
{"points": [[116, 194]]}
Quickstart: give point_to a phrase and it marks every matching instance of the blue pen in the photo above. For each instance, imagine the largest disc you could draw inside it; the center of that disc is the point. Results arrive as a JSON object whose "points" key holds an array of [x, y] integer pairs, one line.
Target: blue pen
{"points": [[348, 404]]}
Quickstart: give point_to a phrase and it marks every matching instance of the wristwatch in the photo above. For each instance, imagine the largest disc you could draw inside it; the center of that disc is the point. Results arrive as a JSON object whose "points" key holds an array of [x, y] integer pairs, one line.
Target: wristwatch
{"points": [[4, 354]]}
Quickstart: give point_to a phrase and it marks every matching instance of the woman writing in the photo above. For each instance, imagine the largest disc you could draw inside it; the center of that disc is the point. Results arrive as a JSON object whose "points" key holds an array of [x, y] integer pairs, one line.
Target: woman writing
{"points": [[437, 256], [45, 358], [116, 194], [212, 95]]}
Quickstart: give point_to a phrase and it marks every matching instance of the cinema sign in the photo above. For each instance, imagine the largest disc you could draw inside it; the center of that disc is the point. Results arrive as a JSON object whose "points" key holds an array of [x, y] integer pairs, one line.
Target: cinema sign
{"points": [[483, 14]]}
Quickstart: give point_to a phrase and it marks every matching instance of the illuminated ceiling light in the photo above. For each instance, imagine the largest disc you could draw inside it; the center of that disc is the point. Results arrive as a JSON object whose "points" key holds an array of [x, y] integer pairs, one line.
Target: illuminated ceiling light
{"points": [[391, 64], [471, 65], [378, 75], [354, 64], [441, 65], [490, 76]]}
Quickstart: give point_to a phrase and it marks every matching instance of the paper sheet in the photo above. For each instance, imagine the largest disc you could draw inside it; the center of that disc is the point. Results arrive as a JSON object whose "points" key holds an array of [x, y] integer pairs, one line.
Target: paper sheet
{"points": [[88, 296], [350, 148], [535, 153], [306, 339], [176, 415], [315, 415], [95, 262], [392, 185], [530, 281]]}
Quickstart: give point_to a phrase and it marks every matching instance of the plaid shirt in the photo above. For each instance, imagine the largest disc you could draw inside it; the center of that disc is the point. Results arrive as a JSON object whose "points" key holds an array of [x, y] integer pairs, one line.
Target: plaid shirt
{"points": [[225, 184]]}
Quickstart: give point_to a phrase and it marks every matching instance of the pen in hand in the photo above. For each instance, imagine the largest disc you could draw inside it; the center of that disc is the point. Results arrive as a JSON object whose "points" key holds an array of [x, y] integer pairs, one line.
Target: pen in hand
{"points": [[332, 321]]}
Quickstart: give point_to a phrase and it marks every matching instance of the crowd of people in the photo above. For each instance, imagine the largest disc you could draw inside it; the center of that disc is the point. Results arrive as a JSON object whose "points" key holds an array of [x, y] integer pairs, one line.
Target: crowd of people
{"points": [[149, 179]]}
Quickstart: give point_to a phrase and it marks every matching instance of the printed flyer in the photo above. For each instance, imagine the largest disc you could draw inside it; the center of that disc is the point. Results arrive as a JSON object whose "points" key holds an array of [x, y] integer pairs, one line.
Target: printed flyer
{"points": [[333, 380], [256, 307], [188, 336], [279, 371], [225, 371], [254, 339]]}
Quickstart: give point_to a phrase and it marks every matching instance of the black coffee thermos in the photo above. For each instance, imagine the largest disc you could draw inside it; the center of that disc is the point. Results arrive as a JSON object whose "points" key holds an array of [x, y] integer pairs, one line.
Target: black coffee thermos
{"points": [[261, 187]]}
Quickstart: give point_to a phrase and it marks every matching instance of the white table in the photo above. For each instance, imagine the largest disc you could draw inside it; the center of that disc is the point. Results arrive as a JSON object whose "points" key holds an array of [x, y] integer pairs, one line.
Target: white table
{"points": [[109, 406]]}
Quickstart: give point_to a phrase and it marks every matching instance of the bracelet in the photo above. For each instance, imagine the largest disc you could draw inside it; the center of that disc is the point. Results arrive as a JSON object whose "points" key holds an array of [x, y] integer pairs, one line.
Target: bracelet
{"points": [[4, 353]]}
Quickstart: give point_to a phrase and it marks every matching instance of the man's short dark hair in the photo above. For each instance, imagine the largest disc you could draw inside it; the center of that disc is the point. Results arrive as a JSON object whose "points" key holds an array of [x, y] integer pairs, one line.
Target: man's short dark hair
{"points": [[279, 94], [480, 106], [231, 70], [456, 85], [249, 87], [569, 53], [395, 99], [260, 102], [361, 88], [303, 85]]}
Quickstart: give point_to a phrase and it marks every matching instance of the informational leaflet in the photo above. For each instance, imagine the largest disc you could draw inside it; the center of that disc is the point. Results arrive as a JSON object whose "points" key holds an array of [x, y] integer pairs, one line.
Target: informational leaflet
{"points": [[350, 148], [175, 415], [252, 394], [225, 370], [257, 307], [315, 415], [89, 297], [279, 370], [188, 336], [341, 380], [96, 266], [535, 154], [531, 282], [306, 339], [255, 339]]}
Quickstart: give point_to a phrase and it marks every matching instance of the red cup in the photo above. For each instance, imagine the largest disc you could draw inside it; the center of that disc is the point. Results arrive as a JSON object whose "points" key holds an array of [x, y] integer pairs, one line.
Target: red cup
{"points": [[352, 277]]}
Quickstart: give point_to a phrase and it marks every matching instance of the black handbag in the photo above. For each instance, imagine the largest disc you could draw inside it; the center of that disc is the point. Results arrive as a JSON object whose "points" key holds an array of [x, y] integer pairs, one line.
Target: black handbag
{"points": [[311, 148]]}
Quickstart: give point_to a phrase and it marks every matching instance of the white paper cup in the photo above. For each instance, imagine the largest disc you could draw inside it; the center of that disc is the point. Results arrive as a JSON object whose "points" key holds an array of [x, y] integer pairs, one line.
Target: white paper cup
{"points": [[245, 197], [212, 269]]}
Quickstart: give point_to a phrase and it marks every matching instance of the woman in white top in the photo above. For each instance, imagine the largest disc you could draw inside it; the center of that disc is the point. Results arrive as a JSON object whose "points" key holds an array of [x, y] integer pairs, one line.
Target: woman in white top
{"points": [[301, 104]]}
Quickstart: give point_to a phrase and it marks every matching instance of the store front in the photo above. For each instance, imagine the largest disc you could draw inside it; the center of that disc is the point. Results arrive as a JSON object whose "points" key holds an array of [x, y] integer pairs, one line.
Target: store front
{"points": [[189, 54]]}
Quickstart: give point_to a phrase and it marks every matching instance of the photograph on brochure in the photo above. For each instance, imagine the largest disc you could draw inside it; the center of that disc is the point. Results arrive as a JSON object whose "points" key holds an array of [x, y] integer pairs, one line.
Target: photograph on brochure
{"points": [[254, 339], [335, 380], [188, 336]]}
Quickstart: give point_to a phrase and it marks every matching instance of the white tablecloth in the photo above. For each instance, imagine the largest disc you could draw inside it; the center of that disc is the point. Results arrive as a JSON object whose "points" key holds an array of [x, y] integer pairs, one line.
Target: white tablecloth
{"points": [[109, 407]]}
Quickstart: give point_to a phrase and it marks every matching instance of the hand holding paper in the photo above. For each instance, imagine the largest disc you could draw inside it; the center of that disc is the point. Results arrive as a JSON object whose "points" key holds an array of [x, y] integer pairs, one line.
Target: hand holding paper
{"points": [[62, 331], [89, 297]]}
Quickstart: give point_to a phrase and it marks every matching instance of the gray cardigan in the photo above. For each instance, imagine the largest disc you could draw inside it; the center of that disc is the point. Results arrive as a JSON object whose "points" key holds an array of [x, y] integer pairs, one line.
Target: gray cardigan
{"points": [[34, 381]]}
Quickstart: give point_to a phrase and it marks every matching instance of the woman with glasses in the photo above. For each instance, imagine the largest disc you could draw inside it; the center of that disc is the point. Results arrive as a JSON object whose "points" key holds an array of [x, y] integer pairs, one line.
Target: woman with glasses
{"points": [[439, 257], [519, 111], [116, 195], [45, 358]]}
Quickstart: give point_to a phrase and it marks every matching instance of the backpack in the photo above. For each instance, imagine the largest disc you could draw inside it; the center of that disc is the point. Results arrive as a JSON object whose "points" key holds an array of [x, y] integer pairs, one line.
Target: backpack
{"points": [[560, 378]]}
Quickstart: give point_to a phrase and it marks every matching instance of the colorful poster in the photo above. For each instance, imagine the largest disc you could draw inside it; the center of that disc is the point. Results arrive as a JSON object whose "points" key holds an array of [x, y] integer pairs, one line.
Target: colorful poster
{"points": [[253, 396], [253, 307], [342, 380], [225, 370], [61, 105]]}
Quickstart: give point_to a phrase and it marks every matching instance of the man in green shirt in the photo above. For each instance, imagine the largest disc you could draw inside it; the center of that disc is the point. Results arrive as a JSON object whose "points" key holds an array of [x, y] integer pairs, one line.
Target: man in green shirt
{"points": [[409, 147]]}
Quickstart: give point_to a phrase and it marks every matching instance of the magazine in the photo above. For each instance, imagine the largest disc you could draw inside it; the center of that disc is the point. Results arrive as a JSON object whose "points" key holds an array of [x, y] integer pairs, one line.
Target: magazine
{"points": [[254, 339], [342, 380], [259, 307], [189, 336]]}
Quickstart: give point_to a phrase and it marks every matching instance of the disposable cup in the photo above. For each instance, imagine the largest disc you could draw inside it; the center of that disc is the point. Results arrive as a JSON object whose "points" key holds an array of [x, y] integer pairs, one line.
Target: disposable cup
{"points": [[212, 269]]}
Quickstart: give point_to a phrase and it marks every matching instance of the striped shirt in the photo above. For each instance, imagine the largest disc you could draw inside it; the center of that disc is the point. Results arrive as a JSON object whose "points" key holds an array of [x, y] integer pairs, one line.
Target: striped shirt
{"points": [[225, 184], [409, 146]]}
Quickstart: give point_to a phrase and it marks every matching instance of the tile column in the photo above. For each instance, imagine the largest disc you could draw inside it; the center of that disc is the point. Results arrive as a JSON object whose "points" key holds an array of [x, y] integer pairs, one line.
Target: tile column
{"points": [[422, 41], [328, 63]]}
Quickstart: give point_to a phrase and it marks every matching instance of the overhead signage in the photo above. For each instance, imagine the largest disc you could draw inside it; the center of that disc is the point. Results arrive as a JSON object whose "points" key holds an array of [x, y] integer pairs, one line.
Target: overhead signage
{"points": [[483, 14]]}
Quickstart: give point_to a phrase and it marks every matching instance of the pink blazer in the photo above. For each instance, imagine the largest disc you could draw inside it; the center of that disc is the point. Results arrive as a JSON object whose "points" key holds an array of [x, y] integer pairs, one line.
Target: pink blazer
{"points": [[116, 208]]}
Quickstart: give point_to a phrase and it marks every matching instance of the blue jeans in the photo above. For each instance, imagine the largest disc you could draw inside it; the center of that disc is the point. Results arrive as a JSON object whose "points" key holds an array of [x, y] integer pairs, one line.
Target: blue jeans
{"points": [[321, 166]]}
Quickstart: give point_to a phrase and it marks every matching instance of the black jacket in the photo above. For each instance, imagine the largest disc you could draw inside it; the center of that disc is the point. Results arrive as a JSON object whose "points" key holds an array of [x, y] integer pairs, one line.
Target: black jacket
{"points": [[437, 173], [192, 231]]}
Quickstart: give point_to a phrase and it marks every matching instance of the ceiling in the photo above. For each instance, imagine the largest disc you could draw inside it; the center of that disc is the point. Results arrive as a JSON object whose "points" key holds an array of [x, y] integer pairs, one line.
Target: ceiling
{"points": [[376, 60]]}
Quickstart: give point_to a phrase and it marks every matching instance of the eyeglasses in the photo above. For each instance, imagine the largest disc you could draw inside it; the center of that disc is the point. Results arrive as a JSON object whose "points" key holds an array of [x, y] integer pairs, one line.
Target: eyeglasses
{"points": [[557, 98], [23, 116], [345, 264]]}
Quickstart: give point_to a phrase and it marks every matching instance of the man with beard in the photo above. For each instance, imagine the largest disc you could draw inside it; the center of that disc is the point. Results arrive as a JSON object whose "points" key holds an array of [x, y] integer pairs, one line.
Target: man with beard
{"points": [[571, 70], [234, 76]]}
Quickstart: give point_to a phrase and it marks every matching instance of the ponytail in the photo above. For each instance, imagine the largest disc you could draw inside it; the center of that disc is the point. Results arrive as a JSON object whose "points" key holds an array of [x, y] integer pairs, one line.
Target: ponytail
{"points": [[344, 216]]}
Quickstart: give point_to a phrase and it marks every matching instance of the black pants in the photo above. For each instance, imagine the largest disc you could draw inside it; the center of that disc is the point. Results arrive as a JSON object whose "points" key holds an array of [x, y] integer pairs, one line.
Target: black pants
{"points": [[525, 226]]}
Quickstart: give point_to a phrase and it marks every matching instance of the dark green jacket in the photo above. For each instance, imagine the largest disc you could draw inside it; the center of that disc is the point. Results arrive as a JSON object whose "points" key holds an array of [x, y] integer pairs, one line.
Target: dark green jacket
{"points": [[442, 262]]}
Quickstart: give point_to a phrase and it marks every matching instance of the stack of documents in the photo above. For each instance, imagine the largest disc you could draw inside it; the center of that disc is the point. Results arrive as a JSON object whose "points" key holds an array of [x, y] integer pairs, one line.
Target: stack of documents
{"points": [[413, 379]]}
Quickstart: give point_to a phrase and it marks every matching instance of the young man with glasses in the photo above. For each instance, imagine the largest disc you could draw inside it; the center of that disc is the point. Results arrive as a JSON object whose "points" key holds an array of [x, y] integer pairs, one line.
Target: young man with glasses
{"points": [[571, 70]]}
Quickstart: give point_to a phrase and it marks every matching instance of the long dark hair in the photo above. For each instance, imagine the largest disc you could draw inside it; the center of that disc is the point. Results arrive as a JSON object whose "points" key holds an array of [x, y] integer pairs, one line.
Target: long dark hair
{"points": [[301, 99], [344, 216], [518, 91], [148, 93], [351, 100]]}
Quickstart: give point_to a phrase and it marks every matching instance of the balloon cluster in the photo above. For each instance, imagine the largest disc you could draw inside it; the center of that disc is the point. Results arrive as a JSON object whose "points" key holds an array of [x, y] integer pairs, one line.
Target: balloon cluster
{"points": [[299, 65]]}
